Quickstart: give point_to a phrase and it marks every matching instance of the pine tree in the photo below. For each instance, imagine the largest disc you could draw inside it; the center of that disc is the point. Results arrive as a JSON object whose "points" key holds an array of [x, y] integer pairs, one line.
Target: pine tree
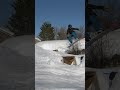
{"points": [[22, 20], [47, 31]]}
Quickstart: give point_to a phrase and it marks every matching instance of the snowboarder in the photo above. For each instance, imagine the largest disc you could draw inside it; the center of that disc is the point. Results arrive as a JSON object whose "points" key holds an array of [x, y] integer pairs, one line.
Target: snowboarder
{"points": [[92, 20], [71, 33]]}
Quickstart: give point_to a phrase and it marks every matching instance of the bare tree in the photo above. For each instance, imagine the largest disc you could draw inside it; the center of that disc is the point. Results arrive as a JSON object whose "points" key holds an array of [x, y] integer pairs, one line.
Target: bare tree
{"points": [[62, 33]]}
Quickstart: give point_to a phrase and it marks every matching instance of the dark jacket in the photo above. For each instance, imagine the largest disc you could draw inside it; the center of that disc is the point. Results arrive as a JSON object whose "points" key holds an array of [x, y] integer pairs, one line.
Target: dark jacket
{"points": [[70, 30]]}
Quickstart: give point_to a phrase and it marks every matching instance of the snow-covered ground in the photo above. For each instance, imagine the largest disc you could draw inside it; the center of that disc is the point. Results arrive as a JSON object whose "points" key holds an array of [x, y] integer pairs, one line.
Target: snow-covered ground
{"points": [[17, 67], [102, 78], [23, 45], [51, 73], [17, 64], [60, 45], [112, 45], [37, 39]]}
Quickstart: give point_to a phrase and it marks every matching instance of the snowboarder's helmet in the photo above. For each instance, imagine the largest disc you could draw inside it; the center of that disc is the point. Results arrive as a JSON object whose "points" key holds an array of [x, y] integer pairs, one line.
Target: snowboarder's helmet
{"points": [[69, 26]]}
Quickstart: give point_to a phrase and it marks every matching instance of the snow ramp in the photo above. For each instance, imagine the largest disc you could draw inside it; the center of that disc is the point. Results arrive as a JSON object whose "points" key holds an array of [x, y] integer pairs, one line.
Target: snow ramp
{"points": [[60, 45]]}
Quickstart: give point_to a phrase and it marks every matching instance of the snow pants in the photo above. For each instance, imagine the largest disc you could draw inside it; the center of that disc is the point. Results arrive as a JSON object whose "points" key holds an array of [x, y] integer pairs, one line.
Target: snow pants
{"points": [[73, 34]]}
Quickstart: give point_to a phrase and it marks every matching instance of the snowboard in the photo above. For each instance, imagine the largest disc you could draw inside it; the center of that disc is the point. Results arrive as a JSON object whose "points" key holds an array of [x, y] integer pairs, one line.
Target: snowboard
{"points": [[73, 43]]}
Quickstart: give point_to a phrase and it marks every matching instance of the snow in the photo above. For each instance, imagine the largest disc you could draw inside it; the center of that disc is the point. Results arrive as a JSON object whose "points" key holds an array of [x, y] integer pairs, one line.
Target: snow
{"points": [[17, 64], [103, 78], [52, 74], [17, 67], [6, 30], [113, 40], [53, 44], [37, 39], [60, 45], [79, 61], [110, 43], [24, 45]]}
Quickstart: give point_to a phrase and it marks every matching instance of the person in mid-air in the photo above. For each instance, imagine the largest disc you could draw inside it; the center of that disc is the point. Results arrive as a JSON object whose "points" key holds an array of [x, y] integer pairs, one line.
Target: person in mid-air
{"points": [[92, 19], [71, 33]]}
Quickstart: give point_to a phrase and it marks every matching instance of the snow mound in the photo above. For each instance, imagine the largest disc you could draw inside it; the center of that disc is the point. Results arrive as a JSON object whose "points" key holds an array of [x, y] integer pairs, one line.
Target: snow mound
{"points": [[17, 64], [52, 74], [60, 45], [24, 45], [53, 44], [37, 39], [102, 78], [45, 56], [112, 39]]}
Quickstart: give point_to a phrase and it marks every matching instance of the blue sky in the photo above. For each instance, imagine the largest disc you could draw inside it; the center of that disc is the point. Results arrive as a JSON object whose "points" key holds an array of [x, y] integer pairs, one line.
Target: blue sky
{"points": [[59, 13]]}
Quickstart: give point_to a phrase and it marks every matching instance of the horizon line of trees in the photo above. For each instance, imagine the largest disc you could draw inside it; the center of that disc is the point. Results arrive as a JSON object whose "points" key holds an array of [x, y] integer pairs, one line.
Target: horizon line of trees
{"points": [[48, 32]]}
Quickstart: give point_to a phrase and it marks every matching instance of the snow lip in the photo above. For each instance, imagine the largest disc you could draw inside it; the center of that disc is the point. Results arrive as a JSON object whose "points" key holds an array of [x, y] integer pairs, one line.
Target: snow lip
{"points": [[36, 38], [21, 44], [60, 45], [6, 30]]}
